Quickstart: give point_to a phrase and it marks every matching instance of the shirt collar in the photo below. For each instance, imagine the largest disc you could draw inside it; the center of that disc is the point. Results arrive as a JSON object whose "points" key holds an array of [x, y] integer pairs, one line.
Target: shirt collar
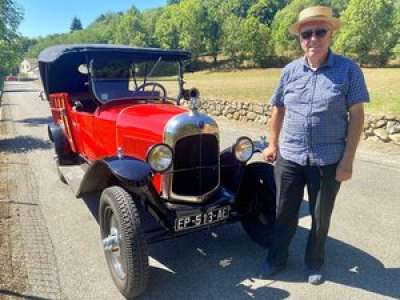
{"points": [[329, 62]]}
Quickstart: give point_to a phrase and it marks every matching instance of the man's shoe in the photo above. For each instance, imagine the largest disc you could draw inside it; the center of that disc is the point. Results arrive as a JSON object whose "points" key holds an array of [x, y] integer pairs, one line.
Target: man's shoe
{"points": [[268, 270], [315, 277]]}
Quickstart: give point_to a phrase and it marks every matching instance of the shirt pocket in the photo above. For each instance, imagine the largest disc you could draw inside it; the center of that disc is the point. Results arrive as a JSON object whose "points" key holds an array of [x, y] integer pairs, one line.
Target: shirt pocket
{"points": [[335, 99], [295, 92]]}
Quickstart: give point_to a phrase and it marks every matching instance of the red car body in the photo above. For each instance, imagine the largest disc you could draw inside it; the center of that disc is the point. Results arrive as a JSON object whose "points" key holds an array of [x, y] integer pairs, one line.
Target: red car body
{"points": [[127, 124]]}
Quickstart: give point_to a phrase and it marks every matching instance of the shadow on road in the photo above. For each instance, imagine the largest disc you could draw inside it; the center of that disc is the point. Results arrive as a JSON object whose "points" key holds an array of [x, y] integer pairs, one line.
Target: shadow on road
{"points": [[33, 122], [23, 144], [19, 296], [225, 262], [231, 260], [21, 91]]}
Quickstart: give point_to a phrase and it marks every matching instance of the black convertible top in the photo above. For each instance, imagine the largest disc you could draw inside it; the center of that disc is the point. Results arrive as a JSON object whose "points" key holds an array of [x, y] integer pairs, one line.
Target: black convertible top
{"points": [[59, 64], [51, 54]]}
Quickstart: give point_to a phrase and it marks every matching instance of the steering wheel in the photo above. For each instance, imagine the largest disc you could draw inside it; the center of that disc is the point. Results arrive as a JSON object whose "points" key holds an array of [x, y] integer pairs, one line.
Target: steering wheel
{"points": [[155, 85]]}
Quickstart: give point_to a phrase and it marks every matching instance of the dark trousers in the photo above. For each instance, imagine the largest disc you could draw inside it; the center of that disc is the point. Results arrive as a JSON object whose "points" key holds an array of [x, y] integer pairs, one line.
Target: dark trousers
{"points": [[322, 188]]}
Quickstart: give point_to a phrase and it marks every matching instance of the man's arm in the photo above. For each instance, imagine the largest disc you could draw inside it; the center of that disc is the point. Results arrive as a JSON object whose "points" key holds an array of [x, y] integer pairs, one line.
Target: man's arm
{"points": [[270, 153], [356, 122]]}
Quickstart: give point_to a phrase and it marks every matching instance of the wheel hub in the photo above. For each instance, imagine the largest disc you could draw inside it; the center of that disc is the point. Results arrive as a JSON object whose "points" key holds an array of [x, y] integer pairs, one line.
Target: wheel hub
{"points": [[111, 242]]}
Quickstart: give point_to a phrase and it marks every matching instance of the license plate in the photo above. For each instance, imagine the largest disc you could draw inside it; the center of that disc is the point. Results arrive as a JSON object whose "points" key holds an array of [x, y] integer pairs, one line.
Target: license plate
{"points": [[213, 215]]}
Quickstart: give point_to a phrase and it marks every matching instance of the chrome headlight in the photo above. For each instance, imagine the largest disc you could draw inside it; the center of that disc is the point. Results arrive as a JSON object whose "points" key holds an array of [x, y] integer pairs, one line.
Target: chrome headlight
{"points": [[159, 157], [243, 149]]}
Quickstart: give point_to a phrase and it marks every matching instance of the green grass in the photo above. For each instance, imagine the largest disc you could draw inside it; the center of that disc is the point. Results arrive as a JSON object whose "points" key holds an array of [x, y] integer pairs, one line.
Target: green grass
{"points": [[257, 85]]}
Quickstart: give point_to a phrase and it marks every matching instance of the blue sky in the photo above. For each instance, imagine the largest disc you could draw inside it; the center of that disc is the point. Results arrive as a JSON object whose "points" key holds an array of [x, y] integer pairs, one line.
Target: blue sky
{"points": [[43, 17]]}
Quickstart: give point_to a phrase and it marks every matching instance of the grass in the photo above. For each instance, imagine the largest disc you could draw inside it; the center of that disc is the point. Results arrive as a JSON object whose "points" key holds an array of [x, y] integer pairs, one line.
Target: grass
{"points": [[258, 85]]}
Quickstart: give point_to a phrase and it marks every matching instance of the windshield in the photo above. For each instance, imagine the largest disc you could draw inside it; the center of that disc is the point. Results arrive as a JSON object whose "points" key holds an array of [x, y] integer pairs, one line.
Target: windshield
{"points": [[124, 78]]}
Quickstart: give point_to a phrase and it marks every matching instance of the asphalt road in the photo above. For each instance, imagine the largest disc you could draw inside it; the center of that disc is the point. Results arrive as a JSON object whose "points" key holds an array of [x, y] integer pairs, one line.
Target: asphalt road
{"points": [[363, 250]]}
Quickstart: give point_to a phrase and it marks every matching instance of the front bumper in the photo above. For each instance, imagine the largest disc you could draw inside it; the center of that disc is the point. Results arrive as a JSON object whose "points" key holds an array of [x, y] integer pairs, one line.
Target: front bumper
{"points": [[161, 227]]}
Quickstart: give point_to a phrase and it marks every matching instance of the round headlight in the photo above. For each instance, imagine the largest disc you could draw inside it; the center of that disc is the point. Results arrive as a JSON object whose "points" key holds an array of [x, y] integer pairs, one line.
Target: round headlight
{"points": [[159, 158], [243, 149]]}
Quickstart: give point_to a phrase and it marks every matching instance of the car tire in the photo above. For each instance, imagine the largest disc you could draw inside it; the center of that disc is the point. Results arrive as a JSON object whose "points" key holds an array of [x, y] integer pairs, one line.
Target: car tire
{"points": [[260, 219], [128, 258]]}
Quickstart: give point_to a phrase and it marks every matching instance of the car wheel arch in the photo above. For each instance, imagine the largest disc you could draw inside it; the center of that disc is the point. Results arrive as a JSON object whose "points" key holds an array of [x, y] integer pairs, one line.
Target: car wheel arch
{"points": [[128, 172], [256, 201]]}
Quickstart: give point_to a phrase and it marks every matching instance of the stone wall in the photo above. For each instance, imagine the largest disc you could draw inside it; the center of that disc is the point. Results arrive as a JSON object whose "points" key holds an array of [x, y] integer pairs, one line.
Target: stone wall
{"points": [[384, 129]]}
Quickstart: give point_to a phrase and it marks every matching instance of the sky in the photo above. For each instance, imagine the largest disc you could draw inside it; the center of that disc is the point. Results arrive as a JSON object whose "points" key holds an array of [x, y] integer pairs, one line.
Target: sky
{"points": [[43, 17]]}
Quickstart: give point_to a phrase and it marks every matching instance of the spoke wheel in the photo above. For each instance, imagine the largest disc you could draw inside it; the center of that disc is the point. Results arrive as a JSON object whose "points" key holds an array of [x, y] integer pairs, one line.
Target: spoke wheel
{"points": [[124, 245]]}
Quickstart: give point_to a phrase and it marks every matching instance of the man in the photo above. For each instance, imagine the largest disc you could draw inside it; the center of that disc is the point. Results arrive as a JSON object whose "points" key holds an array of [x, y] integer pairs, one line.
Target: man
{"points": [[316, 123]]}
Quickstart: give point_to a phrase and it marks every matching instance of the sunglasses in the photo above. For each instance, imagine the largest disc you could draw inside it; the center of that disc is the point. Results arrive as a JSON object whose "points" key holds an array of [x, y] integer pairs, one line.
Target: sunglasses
{"points": [[318, 33]]}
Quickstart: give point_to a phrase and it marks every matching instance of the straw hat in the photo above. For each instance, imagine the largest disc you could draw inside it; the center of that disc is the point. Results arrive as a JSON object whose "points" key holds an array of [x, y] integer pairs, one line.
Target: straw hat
{"points": [[312, 14]]}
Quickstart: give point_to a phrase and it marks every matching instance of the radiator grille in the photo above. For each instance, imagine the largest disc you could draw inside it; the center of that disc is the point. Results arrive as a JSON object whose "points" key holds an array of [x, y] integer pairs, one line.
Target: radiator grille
{"points": [[195, 165]]}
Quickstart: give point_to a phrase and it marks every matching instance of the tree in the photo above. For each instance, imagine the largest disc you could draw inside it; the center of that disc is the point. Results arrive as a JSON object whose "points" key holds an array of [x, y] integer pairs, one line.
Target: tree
{"points": [[256, 42], [150, 18], [265, 10], [213, 28], [10, 49], [10, 17], [193, 20], [76, 24], [233, 39], [129, 30], [370, 31], [237, 7], [167, 29]]}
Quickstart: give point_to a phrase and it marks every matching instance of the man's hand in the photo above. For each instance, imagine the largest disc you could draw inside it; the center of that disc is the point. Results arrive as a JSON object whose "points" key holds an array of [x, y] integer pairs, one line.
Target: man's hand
{"points": [[270, 153], [344, 170]]}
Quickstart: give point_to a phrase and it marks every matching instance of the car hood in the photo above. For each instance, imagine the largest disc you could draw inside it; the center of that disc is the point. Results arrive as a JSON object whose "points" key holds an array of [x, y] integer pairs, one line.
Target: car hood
{"points": [[142, 125], [148, 117]]}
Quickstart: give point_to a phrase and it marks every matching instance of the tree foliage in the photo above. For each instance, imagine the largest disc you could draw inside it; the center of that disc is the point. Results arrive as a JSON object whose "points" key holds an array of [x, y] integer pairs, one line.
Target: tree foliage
{"points": [[256, 38], [167, 29], [233, 39], [10, 43], [251, 31], [171, 2], [129, 30], [370, 31], [76, 24], [194, 25], [265, 10]]}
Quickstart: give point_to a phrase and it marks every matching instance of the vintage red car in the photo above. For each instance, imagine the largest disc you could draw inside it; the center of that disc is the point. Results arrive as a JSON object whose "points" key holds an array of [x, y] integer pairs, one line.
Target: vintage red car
{"points": [[119, 128]]}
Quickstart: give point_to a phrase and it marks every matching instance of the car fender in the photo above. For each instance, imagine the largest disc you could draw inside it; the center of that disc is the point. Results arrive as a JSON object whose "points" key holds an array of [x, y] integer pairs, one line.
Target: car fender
{"points": [[258, 177], [232, 170], [128, 172]]}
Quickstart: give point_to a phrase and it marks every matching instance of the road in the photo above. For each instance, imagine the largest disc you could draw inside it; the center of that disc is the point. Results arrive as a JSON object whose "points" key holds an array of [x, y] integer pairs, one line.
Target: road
{"points": [[363, 249]]}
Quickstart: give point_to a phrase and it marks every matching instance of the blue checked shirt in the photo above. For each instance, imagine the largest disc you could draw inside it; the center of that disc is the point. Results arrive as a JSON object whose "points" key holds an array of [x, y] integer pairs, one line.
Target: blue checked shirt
{"points": [[316, 108]]}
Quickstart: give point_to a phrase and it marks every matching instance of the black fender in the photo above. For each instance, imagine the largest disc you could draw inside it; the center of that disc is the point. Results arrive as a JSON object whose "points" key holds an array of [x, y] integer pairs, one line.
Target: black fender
{"points": [[257, 182], [231, 170], [128, 172], [256, 202], [61, 145]]}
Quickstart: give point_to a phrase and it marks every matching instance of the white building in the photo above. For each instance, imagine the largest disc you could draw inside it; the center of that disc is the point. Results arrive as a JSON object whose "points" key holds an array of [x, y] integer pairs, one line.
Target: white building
{"points": [[29, 68]]}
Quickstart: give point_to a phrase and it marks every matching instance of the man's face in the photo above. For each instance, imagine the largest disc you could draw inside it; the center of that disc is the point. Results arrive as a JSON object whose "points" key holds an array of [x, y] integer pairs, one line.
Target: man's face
{"points": [[315, 38]]}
